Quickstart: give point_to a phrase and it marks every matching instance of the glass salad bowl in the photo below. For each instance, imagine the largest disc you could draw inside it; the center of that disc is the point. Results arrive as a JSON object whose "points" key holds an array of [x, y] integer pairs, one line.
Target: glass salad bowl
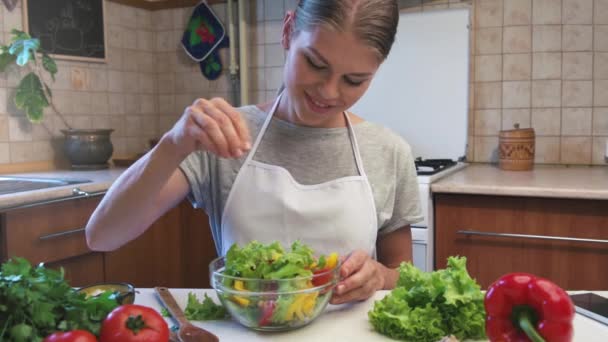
{"points": [[273, 304]]}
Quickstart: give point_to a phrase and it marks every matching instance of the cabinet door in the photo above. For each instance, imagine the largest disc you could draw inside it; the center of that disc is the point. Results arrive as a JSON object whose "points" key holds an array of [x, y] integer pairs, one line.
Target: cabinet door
{"points": [[152, 259], [573, 265], [174, 252], [81, 270]]}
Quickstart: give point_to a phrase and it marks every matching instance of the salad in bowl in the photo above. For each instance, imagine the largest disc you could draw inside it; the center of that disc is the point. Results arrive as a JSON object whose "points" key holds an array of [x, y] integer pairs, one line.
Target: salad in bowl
{"points": [[266, 287]]}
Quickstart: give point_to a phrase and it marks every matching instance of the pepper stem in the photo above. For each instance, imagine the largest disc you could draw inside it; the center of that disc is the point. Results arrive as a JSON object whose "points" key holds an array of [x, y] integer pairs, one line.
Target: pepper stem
{"points": [[525, 323]]}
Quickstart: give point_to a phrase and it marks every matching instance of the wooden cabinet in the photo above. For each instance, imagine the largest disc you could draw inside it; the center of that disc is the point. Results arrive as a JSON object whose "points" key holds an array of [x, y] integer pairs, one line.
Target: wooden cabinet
{"points": [[174, 252], [475, 226], [53, 233]]}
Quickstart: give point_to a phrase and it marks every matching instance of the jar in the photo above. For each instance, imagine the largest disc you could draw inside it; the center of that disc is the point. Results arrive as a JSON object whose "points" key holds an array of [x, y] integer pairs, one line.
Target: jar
{"points": [[516, 149]]}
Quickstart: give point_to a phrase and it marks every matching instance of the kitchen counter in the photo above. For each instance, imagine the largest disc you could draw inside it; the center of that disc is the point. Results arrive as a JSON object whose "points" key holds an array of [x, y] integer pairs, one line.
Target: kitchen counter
{"points": [[346, 322], [580, 182], [100, 180]]}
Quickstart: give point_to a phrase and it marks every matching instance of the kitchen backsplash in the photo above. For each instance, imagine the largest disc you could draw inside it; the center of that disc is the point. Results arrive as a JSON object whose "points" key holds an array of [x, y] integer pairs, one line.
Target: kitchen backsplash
{"points": [[540, 63]]}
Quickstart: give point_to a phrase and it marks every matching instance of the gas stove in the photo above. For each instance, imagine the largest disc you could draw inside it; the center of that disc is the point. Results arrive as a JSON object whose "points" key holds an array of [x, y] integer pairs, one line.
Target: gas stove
{"points": [[425, 167]]}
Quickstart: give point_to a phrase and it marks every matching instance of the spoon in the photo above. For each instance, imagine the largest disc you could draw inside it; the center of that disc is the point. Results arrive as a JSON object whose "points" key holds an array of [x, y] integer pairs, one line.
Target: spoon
{"points": [[187, 332]]}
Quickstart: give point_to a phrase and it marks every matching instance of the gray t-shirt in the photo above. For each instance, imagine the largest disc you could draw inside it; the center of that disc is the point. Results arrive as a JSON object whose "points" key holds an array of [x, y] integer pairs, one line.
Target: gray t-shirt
{"points": [[313, 156]]}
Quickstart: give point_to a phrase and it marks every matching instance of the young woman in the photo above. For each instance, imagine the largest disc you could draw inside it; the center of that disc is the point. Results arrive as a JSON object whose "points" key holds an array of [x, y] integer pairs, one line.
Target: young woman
{"points": [[301, 167]]}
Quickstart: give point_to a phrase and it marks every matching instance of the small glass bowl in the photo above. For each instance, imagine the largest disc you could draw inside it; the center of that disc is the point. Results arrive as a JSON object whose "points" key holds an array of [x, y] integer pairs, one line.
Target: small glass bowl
{"points": [[125, 293], [273, 305]]}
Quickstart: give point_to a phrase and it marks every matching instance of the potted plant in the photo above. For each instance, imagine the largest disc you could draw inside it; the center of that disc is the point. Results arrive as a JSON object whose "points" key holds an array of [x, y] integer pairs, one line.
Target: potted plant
{"points": [[85, 148]]}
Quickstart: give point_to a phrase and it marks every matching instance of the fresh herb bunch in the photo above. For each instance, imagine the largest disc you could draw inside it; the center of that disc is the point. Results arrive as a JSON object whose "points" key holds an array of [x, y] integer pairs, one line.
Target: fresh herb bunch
{"points": [[33, 93], [204, 310], [428, 306], [37, 301]]}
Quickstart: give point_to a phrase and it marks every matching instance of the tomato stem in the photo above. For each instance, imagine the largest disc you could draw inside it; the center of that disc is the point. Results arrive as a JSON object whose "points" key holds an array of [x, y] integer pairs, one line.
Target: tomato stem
{"points": [[525, 323]]}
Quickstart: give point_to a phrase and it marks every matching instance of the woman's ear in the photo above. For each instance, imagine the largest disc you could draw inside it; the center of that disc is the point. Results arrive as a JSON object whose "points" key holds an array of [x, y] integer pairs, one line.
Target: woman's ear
{"points": [[288, 26]]}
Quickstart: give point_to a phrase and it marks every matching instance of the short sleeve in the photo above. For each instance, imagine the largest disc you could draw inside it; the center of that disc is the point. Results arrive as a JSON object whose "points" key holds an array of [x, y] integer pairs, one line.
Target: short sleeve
{"points": [[196, 169], [406, 210]]}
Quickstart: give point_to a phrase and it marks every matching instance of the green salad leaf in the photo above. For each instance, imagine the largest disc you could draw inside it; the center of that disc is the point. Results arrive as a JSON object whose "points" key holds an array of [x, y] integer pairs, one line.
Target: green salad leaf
{"points": [[205, 310], [36, 301], [428, 306]]}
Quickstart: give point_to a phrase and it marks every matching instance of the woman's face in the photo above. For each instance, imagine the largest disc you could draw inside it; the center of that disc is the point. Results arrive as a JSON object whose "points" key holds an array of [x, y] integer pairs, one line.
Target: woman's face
{"points": [[326, 72]]}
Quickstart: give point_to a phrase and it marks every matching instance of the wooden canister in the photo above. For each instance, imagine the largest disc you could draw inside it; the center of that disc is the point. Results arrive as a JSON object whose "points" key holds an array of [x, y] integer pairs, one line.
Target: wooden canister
{"points": [[516, 149]]}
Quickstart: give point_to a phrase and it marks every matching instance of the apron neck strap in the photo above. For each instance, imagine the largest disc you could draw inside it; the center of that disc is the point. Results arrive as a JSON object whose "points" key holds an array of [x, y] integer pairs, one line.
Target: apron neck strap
{"points": [[273, 109]]}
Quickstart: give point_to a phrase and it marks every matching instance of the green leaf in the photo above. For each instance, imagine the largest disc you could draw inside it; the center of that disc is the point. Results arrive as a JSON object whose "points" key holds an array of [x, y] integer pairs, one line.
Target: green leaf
{"points": [[194, 37], [215, 66], [30, 97], [19, 35], [205, 310], [207, 69], [6, 59], [49, 64]]}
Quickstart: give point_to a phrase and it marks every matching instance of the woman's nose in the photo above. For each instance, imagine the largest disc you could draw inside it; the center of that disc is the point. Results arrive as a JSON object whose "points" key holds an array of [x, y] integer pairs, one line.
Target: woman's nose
{"points": [[329, 88]]}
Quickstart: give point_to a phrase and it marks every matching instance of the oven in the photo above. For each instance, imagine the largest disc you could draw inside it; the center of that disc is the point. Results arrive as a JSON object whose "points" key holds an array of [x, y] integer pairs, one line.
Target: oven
{"points": [[429, 171]]}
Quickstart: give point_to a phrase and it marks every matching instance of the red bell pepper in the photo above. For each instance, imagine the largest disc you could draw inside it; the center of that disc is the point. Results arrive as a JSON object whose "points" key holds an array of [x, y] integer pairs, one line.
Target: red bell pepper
{"points": [[523, 307], [267, 309]]}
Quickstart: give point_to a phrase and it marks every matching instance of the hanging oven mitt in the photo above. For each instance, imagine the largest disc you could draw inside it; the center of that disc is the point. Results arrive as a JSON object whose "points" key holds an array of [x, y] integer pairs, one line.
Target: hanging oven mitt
{"points": [[203, 37]]}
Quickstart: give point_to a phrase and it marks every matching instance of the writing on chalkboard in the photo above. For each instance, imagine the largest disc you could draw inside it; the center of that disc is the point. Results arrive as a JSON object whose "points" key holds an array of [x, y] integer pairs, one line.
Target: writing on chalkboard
{"points": [[73, 29]]}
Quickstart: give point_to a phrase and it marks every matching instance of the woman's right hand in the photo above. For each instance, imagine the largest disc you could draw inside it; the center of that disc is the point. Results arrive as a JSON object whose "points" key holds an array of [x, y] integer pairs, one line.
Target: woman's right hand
{"points": [[211, 125]]}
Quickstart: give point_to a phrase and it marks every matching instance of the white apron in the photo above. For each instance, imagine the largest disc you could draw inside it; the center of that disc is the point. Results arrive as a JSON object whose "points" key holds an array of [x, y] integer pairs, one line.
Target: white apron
{"points": [[267, 204]]}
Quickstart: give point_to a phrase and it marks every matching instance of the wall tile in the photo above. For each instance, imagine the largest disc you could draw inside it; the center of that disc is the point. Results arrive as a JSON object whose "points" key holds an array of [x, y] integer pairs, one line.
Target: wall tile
{"points": [[546, 121], [517, 67], [577, 66], [598, 150], [510, 117], [487, 122], [600, 12], [547, 12], [577, 38], [486, 149], [272, 32], [13, 20], [517, 39], [489, 13], [600, 68], [516, 94], [19, 129], [4, 128], [488, 68], [3, 101], [577, 93], [546, 65], [576, 121], [274, 55], [21, 152], [546, 94], [600, 121], [577, 12], [5, 151], [273, 10], [546, 38], [488, 95], [600, 38], [547, 150], [518, 12], [488, 41], [600, 93], [576, 150]]}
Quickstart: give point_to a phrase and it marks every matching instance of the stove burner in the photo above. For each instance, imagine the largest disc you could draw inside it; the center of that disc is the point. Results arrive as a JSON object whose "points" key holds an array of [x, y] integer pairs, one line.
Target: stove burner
{"points": [[432, 166]]}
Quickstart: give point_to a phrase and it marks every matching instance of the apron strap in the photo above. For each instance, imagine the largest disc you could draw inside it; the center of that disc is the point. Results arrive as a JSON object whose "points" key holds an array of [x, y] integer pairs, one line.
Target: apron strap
{"points": [[355, 145]]}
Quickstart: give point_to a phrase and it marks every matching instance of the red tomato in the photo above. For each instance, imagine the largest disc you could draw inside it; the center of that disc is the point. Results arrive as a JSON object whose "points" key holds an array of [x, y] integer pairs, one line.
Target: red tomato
{"points": [[321, 277], [134, 323], [71, 336]]}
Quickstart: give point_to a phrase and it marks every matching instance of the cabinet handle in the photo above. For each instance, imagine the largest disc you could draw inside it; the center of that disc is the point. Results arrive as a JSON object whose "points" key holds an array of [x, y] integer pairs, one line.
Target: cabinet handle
{"points": [[528, 236], [63, 233]]}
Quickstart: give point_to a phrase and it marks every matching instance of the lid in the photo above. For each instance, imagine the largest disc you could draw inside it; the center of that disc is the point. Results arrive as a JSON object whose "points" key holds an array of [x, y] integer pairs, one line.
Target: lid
{"points": [[421, 90], [517, 132]]}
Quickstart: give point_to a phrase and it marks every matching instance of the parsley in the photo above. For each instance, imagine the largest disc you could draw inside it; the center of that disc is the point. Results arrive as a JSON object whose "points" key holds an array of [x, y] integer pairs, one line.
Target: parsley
{"points": [[201, 311], [37, 301]]}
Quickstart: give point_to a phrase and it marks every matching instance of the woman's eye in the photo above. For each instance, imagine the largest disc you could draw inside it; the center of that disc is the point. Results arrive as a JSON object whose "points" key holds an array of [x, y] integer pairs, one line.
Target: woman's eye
{"points": [[313, 64], [353, 83]]}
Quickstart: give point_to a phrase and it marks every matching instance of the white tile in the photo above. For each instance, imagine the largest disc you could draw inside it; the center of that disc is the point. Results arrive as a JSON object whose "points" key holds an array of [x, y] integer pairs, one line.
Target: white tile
{"points": [[273, 10]]}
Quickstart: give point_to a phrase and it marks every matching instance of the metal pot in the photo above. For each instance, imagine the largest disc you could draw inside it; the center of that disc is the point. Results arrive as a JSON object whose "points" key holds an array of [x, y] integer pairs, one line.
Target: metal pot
{"points": [[88, 149]]}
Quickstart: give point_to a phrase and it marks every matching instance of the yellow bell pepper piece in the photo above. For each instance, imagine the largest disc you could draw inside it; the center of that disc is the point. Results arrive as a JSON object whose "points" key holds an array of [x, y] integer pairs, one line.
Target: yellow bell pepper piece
{"points": [[332, 260], [302, 306], [238, 285], [240, 301]]}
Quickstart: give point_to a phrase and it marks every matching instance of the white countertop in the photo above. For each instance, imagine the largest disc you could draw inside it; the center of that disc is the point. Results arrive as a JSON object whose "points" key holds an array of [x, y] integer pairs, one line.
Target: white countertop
{"points": [[582, 182], [338, 323], [100, 180]]}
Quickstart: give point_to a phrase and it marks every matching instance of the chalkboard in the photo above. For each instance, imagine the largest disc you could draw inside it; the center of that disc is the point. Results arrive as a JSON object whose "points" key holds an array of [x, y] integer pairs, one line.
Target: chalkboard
{"points": [[68, 29]]}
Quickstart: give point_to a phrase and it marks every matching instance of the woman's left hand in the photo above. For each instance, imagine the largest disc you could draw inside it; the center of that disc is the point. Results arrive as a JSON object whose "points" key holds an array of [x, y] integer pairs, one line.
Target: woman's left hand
{"points": [[361, 277]]}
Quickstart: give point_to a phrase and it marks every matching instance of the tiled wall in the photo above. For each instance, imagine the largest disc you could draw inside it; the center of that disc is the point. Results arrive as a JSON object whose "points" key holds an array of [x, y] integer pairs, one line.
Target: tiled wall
{"points": [[542, 64], [120, 94]]}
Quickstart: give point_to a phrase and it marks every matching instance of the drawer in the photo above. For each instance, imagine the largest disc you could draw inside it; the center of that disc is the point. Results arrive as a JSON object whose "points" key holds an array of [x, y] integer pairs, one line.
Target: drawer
{"points": [[48, 232]]}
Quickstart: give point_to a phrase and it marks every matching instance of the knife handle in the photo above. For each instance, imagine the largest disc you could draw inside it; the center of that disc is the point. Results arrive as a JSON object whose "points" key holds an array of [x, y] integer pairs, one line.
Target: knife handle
{"points": [[169, 302]]}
